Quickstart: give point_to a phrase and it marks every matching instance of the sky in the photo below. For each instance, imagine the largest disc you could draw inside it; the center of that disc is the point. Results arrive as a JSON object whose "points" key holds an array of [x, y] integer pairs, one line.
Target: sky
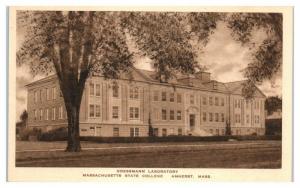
{"points": [[224, 58]]}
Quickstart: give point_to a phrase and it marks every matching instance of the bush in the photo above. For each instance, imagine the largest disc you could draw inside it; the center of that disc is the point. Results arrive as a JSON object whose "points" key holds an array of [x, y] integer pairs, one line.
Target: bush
{"points": [[60, 134], [29, 133], [175, 139]]}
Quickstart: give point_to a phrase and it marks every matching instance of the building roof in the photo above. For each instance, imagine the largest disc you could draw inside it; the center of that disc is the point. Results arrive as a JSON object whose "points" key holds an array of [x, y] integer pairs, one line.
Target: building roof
{"points": [[179, 80]]}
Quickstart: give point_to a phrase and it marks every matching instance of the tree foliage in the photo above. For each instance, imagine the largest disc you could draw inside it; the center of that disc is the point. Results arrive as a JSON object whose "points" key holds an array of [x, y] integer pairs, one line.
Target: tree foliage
{"points": [[267, 54], [273, 104]]}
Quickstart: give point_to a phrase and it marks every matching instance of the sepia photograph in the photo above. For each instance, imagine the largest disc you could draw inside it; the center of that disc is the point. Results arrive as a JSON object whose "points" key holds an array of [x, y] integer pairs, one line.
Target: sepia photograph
{"points": [[134, 90]]}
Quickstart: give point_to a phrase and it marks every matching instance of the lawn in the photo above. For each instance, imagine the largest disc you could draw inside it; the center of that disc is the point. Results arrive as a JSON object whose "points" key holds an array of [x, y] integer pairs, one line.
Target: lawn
{"points": [[245, 154]]}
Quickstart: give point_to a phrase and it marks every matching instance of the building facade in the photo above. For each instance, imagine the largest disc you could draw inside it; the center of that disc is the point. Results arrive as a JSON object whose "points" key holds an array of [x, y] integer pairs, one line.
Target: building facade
{"points": [[187, 105]]}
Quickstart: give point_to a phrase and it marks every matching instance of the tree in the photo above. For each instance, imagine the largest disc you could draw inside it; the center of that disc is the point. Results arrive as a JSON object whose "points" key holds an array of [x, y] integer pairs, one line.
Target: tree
{"points": [[24, 117], [266, 54], [273, 104], [76, 44]]}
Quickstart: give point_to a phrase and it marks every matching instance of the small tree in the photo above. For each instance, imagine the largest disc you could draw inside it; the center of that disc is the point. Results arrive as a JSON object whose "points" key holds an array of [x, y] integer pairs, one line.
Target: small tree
{"points": [[228, 129], [24, 118]]}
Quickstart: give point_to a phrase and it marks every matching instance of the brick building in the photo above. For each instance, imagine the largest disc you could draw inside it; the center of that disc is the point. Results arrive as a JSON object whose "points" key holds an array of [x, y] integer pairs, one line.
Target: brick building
{"points": [[187, 105]]}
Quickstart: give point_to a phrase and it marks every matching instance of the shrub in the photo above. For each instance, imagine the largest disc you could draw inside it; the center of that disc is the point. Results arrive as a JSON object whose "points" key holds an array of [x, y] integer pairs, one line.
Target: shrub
{"points": [[175, 139], [25, 134], [59, 134]]}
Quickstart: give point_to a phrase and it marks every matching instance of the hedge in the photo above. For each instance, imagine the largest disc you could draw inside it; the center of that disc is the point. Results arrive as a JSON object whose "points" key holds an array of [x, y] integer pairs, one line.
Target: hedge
{"points": [[177, 139]]}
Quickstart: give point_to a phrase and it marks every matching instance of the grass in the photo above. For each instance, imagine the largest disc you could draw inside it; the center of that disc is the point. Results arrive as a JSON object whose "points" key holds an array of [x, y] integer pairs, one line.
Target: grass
{"points": [[246, 154]]}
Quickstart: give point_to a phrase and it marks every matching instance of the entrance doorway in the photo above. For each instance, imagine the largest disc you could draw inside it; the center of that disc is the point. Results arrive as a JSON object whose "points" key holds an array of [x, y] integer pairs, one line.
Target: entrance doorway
{"points": [[192, 121]]}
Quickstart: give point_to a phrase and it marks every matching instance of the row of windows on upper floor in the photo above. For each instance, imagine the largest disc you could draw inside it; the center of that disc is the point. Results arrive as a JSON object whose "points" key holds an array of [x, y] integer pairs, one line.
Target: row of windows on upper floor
{"points": [[50, 94], [217, 101], [238, 103], [55, 113], [95, 91]]}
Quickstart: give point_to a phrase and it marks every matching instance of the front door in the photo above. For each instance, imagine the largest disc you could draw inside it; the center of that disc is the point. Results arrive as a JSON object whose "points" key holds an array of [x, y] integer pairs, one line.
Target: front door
{"points": [[192, 121]]}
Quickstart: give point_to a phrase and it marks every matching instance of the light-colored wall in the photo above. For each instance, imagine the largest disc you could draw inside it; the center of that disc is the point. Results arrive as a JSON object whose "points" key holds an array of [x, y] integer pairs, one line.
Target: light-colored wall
{"points": [[148, 106]]}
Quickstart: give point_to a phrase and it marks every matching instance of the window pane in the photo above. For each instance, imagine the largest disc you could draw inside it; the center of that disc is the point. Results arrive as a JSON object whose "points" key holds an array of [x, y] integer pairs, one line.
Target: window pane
{"points": [[98, 111], [116, 132], [178, 98], [115, 112], [92, 89], [164, 114], [92, 110], [163, 96], [171, 114], [97, 89], [178, 115], [172, 97]]}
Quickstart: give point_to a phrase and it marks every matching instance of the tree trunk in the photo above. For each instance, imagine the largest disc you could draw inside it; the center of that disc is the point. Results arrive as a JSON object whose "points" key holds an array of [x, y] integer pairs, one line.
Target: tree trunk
{"points": [[73, 128]]}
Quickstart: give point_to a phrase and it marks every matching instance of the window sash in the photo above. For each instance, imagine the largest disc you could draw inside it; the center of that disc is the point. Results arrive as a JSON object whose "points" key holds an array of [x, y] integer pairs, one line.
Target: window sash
{"points": [[97, 90], [115, 112]]}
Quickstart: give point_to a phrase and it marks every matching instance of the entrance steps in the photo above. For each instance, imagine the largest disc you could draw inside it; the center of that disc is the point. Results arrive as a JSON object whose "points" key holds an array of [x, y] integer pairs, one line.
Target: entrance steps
{"points": [[198, 132]]}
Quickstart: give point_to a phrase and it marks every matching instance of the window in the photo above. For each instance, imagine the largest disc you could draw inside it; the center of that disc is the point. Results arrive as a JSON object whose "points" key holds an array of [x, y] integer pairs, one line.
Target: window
{"points": [[134, 132], [217, 132], [53, 114], [115, 112], [47, 114], [92, 89], [35, 97], [92, 110], [172, 114], [41, 114], [164, 132], [54, 93], [115, 131], [247, 104], [134, 93], [178, 115], [222, 102], [192, 99], [98, 111], [210, 101], [164, 114], [115, 90], [216, 117], [238, 118], [155, 132], [257, 105], [41, 95], [204, 101], [216, 101], [239, 103], [211, 131], [47, 94], [179, 132], [247, 118], [155, 95], [97, 90], [164, 96], [172, 96], [204, 116], [178, 98], [60, 112], [235, 103], [222, 117], [133, 113], [210, 116]]}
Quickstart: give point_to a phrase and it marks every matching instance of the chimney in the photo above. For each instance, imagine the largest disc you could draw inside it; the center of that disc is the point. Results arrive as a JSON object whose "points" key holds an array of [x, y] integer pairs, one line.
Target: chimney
{"points": [[204, 76]]}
